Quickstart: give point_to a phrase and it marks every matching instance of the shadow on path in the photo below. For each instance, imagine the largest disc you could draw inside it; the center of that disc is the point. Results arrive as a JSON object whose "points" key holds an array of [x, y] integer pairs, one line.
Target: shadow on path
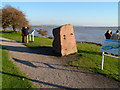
{"points": [[25, 63], [9, 41], [49, 66], [41, 50], [89, 52], [36, 81], [44, 50]]}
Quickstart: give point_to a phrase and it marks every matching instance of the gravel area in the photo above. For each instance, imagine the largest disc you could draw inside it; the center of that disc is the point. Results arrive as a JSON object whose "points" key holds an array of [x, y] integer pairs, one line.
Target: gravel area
{"points": [[46, 70]]}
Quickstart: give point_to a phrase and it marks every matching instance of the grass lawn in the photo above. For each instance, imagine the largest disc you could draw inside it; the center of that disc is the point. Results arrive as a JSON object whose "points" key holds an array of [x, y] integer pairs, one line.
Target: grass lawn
{"points": [[11, 76], [90, 55], [39, 41], [91, 60]]}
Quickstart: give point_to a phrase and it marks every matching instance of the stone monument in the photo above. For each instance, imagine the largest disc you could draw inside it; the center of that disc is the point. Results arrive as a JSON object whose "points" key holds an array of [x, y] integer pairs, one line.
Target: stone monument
{"points": [[64, 40]]}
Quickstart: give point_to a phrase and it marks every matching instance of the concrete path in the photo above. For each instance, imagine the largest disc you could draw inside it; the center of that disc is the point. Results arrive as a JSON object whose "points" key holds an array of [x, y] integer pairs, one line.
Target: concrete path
{"points": [[48, 71]]}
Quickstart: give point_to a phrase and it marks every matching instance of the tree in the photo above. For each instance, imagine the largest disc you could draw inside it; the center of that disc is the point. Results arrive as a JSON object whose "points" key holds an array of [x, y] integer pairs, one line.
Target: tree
{"points": [[14, 17]]}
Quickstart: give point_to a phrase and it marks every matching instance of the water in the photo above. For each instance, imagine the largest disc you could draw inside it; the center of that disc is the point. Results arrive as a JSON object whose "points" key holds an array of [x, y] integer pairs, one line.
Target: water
{"points": [[91, 34], [86, 34], [83, 34]]}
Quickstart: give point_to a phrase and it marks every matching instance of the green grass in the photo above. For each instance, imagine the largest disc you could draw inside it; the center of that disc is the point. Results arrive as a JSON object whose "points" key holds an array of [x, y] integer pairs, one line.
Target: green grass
{"points": [[12, 35], [90, 55], [0, 69], [39, 41], [11, 76], [91, 60]]}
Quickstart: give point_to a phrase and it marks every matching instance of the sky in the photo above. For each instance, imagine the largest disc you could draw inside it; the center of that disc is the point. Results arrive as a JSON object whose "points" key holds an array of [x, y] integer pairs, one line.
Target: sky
{"points": [[76, 13]]}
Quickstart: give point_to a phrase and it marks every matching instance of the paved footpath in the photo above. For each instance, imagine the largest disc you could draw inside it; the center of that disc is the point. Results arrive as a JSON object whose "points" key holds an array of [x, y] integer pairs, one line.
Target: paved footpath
{"points": [[48, 71]]}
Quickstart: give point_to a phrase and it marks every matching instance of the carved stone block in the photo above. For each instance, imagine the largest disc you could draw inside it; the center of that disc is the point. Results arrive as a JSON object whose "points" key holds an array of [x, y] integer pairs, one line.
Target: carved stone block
{"points": [[64, 40]]}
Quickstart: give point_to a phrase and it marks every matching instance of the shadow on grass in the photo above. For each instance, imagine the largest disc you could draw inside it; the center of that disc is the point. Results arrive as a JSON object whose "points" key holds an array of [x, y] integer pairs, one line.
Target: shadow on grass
{"points": [[36, 81], [9, 31], [89, 52], [6, 31]]}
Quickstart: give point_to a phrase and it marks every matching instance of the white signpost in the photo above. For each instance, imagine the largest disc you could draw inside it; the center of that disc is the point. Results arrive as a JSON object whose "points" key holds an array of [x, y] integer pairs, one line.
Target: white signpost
{"points": [[31, 35], [110, 46]]}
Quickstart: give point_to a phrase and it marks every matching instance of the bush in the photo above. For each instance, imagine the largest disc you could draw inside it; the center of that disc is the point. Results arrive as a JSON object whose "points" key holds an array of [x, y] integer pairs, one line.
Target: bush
{"points": [[42, 32]]}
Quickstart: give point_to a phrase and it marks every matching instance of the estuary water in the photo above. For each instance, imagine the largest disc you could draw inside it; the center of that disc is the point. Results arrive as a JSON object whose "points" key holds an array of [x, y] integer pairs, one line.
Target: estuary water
{"points": [[87, 34]]}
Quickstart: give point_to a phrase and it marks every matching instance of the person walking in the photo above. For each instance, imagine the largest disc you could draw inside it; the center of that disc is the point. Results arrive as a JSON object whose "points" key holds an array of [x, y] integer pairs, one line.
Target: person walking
{"points": [[108, 34], [25, 34], [116, 35]]}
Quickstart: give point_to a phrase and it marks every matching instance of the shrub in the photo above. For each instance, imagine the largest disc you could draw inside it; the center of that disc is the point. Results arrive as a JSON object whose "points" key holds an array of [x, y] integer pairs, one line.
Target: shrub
{"points": [[42, 32]]}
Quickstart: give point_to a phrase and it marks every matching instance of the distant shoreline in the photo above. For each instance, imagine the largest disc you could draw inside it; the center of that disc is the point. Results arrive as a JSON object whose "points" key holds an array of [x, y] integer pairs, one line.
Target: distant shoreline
{"points": [[75, 26], [98, 44]]}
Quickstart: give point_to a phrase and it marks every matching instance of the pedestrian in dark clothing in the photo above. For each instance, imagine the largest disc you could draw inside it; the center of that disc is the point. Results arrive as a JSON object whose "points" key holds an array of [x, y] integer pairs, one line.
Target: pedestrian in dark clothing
{"points": [[108, 34], [25, 34], [116, 35]]}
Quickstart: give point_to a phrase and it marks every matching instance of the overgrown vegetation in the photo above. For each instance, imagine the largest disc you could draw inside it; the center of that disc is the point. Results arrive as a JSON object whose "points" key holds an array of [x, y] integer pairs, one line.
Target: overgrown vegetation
{"points": [[90, 55], [42, 32]]}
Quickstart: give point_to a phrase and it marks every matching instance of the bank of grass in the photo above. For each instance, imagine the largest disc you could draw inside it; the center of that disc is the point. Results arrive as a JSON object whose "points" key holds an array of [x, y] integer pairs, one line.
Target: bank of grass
{"points": [[90, 55], [11, 76], [91, 60], [39, 41]]}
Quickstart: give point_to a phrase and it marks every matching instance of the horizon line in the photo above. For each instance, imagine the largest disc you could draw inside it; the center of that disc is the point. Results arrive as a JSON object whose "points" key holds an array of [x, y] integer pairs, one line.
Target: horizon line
{"points": [[73, 25]]}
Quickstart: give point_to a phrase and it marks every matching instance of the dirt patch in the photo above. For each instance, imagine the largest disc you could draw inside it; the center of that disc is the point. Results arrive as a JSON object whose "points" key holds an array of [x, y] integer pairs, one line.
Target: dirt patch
{"points": [[67, 59]]}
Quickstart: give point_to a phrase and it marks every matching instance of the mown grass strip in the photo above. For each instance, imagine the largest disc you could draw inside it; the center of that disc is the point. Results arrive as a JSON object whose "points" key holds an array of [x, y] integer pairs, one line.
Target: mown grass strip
{"points": [[91, 60], [11, 76]]}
